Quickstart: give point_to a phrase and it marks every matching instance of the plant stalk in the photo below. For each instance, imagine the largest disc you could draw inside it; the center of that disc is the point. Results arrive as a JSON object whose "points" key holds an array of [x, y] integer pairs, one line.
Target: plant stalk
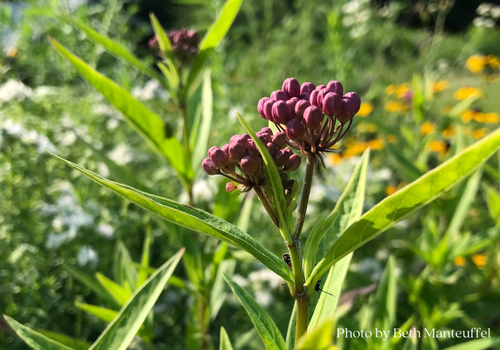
{"points": [[304, 198], [267, 205], [302, 317]]}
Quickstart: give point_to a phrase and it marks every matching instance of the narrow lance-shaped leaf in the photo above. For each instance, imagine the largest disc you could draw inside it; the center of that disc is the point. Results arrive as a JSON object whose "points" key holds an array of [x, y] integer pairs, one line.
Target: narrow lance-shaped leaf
{"points": [[385, 299], [318, 338], [114, 48], [225, 343], [406, 201], [63, 339], [211, 39], [146, 123], [269, 332], [146, 246], [203, 131], [106, 315], [292, 327], [34, 339], [162, 37], [118, 292], [274, 179], [349, 208], [119, 333], [193, 219]]}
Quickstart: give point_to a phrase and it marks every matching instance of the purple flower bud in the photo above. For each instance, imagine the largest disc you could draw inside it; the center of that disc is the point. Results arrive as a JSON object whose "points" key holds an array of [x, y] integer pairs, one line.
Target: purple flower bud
{"points": [[252, 146], [272, 148], [281, 112], [304, 96], [279, 139], [354, 97], [225, 148], [307, 87], [229, 168], [320, 87], [282, 156], [209, 167], [336, 86], [268, 109], [260, 106], [267, 130], [218, 156], [347, 111], [295, 130], [279, 95], [264, 137], [332, 103], [293, 163], [291, 87], [313, 97], [249, 164], [321, 95], [291, 105], [300, 107], [230, 187], [237, 148], [313, 117]]}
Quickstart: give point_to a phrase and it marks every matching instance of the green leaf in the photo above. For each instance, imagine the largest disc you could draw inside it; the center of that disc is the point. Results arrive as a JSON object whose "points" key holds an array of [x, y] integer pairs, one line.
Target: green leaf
{"points": [[410, 344], [203, 131], [119, 293], [146, 246], [114, 48], [217, 294], [34, 339], [106, 315], [269, 332], [292, 325], [225, 343], [318, 338], [146, 123], [349, 208], [119, 333], [211, 39], [193, 219], [493, 201], [91, 283], [274, 179], [462, 106], [163, 40], [385, 299], [125, 271], [468, 197], [408, 200], [479, 344], [63, 339]]}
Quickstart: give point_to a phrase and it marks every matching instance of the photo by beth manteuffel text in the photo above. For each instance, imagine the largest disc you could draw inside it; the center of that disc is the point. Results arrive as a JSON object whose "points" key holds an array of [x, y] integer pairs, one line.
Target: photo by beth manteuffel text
{"points": [[414, 333]]}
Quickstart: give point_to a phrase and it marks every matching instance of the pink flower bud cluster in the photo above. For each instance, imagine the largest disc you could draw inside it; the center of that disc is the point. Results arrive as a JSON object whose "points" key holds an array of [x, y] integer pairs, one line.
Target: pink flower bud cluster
{"points": [[241, 162], [314, 118], [184, 44]]}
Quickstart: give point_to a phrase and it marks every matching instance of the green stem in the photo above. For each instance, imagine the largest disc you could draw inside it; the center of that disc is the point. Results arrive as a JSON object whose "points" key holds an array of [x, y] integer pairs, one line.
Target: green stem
{"points": [[304, 198], [302, 317], [267, 205]]}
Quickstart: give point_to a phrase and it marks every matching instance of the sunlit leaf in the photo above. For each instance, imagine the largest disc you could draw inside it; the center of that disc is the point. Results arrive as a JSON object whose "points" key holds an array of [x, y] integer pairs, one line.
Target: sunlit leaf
{"points": [[146, 246], [407, 200], [118, 292], [385, 298], [318, 338], [63, 339], [106, 315], [292, 327], [162, 37], [225, 343]]}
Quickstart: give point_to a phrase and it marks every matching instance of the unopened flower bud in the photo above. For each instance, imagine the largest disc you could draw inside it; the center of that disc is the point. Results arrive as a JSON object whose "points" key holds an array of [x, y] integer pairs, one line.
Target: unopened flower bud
{"points": [[267, 130], [272, 148], [307, 87], [225, 148], [282, 156], [321, 96], [291, 87], [313, 117], [264, 137], [237, 148], [231, 167], [346, 111], [313, 98], [336, 87], [279, 139], [218, 156], [293, 163], [295, 130], [304, 96], [320, 87], [300, 107], [332, 103], [260, 106], [281, 112], [267, 109], [279, 95], [356, 100], [291, 105], [209, 167], [252, 146], [249, 164], [230, 187]]}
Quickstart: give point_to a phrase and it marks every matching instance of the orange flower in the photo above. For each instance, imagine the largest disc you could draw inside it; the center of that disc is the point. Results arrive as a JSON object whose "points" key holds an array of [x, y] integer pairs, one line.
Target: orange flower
{"points": [[390, 190], [491, 118], [475, 63], [438, 146], [335, 158], [440, 86], [395, 106], [449, 132], [12, 52], [390, 90], [427, 128], [493, 61], [376, 144], [460, 261], [365, 109], [466, 92], [479, 133], [479, 260]]}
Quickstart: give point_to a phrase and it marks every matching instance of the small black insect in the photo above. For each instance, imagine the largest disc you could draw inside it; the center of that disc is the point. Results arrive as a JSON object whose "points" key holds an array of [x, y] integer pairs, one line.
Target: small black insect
{"points": [[288, 260], [318, 289]]}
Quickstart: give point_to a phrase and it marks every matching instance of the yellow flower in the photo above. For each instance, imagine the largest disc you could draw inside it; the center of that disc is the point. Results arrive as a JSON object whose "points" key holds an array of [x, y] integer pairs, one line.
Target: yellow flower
{"points": [[438, 146], [468, 115], [395, 106], [491, 118], [12, 52], [391, 138], [390, 90], [460, 261], [365, 109], [390, 190], [449, 132], [493, 61], [479, 260], [427, 128], [479, 133], [355, 149], [440, 86], [349, 141], [475, 63], [366, 127], [376, 144], [335, 158], [466, 92], [402, 90]]}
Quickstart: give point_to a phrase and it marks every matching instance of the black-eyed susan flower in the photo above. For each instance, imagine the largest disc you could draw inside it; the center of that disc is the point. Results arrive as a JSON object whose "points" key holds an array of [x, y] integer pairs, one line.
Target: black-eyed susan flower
{"points": [[466, 92]]}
